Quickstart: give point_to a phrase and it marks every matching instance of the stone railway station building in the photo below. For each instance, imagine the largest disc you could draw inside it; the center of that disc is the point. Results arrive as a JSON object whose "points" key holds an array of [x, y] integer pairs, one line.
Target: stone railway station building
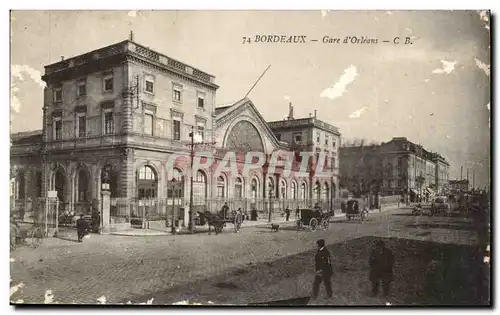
{"points": [[116, 114]]}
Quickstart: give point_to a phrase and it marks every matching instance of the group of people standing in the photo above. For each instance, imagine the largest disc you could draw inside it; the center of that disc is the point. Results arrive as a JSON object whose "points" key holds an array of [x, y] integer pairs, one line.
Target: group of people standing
{"points": [[381, 262]]}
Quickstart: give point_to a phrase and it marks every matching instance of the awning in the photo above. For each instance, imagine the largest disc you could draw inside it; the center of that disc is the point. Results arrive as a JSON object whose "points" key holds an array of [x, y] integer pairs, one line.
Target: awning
{"points": [[430, 191]]}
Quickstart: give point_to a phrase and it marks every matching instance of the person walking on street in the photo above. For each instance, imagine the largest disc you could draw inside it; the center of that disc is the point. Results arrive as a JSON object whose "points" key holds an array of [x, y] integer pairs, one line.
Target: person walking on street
{"points": [[323, 268], [81, 228], [381, 264], [287, 214]]}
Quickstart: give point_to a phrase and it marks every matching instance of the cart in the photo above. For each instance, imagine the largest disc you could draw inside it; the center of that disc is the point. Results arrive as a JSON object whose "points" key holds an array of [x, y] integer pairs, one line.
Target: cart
{"points": [[219, 221], [353, 211], [313, 219]]}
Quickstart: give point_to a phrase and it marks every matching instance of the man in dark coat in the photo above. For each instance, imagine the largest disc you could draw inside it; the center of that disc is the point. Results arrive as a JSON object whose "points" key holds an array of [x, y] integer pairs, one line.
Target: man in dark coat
{"points": [[81, 228], [96, 221], [287, 214], [381, 264], [323, 268], [225, 210]]}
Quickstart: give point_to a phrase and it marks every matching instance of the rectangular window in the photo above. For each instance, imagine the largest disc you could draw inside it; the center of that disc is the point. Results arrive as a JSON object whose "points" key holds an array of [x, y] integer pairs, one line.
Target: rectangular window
{"points": [[108, 123], [108, 83], [297, 138], [58, 129], [177, 95], [201, 102], [201, 132], [177, 130], [150, 84], [58, 94], [148, 124], [278, 136], [81, 88], [82, 126], [318, 138], [326, 140]]}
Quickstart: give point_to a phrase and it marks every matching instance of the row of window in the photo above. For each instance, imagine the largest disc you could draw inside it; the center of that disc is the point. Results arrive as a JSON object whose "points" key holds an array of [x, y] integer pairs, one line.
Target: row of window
{"points": [[149, 119], [149, 88], [81, 125]]}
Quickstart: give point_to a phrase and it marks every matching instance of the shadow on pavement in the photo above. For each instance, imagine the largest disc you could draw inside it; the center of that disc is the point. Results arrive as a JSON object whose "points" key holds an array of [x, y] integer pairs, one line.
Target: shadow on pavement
{"points": [[426, 273], [301, 301]]}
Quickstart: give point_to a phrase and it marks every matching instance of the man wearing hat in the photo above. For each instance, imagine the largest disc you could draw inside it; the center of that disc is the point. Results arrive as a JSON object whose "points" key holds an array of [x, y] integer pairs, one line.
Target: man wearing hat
{"points": [[81, 228], [324, 269]]}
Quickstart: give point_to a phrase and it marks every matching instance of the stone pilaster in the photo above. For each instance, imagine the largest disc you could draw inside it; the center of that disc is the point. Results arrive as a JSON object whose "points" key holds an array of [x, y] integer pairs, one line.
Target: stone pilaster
{"points": [[127, 177], [126, 127]]}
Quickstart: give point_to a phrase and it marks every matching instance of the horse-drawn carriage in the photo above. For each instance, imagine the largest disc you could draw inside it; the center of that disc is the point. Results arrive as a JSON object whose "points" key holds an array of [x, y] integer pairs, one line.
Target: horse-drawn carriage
{"points": [[354, 211], [219, 220], [313, 218]]}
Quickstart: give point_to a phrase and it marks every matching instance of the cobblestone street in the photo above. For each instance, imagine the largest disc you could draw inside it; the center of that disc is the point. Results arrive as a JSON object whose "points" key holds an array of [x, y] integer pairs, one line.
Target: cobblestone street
{"points": [[221, 268]]}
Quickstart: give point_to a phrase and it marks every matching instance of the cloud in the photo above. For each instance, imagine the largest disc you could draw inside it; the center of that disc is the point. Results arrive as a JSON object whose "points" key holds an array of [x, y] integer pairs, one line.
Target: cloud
{"points": [[339, 88], [286, 97], [358, 113], [20, 72], [324, 13], [448, 67], [132, 13], [481, 65]]}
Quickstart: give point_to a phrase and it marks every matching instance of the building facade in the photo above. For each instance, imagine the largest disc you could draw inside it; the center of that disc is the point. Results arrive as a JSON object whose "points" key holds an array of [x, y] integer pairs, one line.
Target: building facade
{"points": [[398, 167], [312, 135], [119, 114], [459, 185]]}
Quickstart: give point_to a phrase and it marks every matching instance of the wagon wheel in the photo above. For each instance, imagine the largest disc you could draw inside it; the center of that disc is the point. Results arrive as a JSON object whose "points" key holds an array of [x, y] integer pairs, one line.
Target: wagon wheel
{"points": [[299, 225], [325, 224], [237, 222], [36, 237], [313, 224]]}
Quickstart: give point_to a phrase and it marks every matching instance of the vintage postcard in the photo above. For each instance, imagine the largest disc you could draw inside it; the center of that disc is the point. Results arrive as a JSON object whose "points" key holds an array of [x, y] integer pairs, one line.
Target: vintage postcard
{"points": [[250, 158]]}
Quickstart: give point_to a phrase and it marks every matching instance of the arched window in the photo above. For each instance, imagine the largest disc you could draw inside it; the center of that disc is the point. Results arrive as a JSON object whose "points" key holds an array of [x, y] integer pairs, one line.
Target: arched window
{"points": [[303, 191], [282, 189], [254, 189], [293, 190], [238, 188], [59, 184], [148, 182], [326, 192], [200, 187], [221, 187], [83, 182], [175, 186], [317, 190], [21, 185]]}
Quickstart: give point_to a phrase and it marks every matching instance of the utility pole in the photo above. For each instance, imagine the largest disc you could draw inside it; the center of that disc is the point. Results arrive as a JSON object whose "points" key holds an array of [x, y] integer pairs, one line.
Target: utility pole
{"points": [[473, 178], [461, 171], [467, 179], [191, 216]]}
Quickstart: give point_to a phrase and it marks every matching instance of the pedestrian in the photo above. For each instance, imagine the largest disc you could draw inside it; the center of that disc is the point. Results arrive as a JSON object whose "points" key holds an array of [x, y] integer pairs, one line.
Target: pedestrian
{"points": [[81, 228], [96, 220], [287, 213], [323, 268], [381, 264], [225, 210], [297, 213]]}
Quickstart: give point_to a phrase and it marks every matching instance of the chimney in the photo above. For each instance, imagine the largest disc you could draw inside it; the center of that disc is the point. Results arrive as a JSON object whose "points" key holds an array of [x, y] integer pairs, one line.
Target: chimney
{"points": [[62, 58], [310, 115], [131, 36], [290, 111], [315, 112]]}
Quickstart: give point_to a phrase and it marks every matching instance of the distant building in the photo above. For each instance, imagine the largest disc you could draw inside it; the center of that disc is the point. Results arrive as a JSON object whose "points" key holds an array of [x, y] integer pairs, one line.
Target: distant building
{"points": [[312, 135], [398, 167]]}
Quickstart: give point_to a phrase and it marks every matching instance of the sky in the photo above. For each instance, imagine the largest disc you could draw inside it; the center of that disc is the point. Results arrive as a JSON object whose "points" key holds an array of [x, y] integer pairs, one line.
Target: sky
{"points": [[435, 92]]}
